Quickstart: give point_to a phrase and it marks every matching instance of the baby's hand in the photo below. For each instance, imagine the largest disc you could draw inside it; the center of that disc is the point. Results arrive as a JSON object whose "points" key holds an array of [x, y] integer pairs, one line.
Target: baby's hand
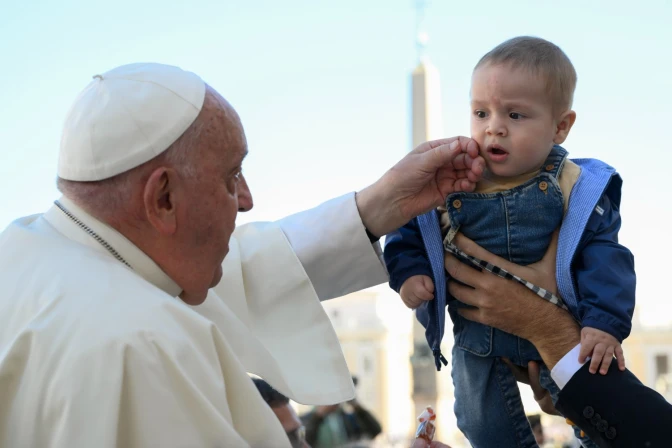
{"points": [[416, 290], [603, 346]]}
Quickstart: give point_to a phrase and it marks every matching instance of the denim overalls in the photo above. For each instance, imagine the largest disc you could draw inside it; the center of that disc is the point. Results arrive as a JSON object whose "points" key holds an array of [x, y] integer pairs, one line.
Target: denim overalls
{"points": [[518, 225]]}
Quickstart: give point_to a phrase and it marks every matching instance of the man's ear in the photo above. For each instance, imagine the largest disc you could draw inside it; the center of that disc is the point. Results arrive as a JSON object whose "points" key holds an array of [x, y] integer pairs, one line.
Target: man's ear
{"points": [[159, 198], [564, 125]]}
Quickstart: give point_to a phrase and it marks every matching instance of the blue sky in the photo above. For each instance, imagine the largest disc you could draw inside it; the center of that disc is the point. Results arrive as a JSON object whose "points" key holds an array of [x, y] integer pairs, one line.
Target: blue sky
{"points": [[323, 91]]}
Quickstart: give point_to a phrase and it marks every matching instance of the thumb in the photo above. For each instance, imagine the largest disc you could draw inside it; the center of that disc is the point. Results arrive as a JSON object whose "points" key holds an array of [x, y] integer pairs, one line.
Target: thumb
{"points": [[443, 155], [420, 443], [534, 373]]}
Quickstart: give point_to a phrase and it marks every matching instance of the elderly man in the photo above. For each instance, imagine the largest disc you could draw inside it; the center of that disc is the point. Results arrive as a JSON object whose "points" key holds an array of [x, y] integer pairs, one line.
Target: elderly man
{"points": [[132, 311]]}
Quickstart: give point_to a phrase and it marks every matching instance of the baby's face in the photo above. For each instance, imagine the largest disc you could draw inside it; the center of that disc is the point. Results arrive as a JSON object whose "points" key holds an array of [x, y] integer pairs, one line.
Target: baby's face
{"points": [[511, 119]]}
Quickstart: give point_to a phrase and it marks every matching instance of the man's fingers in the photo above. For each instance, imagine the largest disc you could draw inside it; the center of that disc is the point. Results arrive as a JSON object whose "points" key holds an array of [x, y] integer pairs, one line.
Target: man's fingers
{"points": [[521, 374], [460, 271], [464, 294], [473, 249], [472, 314], [431, 144], [598, 354], [606, 361], [461, 152], [442, 155], [437, 444], [422, 443], [620, 357], [534, 372]]}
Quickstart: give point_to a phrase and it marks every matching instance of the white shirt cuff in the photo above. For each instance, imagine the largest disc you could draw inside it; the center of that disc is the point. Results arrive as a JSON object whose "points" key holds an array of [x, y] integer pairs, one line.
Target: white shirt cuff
{"points": [[565, 369]]}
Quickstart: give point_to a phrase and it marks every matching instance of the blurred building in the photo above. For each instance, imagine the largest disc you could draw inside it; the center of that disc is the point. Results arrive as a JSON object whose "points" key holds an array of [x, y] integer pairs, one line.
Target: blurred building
{"points": [[648, 354]]}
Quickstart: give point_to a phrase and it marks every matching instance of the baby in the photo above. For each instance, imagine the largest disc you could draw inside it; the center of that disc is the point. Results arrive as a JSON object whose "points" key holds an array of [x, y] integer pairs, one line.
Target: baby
{"points": [[521, 111]]}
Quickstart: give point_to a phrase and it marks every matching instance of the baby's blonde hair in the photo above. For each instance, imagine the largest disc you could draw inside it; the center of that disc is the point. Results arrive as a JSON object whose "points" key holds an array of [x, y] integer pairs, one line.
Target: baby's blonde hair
{"points": [[540, 57]]}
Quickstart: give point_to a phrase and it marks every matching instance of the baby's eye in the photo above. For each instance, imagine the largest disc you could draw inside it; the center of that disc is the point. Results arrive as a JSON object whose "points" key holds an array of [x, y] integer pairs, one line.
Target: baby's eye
{"points": [[480, 114], [515, 116]]}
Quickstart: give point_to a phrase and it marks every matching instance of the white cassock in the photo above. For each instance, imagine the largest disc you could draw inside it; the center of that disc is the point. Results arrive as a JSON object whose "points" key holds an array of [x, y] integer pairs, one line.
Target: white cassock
{"points": [[94, 353]]}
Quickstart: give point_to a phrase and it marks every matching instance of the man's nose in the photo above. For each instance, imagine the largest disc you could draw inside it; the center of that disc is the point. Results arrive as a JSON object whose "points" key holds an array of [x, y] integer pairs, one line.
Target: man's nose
{"points": [[245, 202]]}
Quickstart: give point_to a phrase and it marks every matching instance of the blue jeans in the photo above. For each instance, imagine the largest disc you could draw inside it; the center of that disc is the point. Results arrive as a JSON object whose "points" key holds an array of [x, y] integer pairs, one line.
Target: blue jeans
{"points": [[488, 406]]}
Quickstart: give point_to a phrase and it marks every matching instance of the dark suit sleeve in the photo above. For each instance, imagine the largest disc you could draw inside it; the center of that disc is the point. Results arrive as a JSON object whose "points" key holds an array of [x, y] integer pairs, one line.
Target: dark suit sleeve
{"points": [[617, 410]]}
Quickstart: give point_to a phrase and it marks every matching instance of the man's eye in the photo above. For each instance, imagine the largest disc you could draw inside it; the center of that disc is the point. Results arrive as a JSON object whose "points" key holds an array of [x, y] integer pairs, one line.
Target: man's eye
{"points": [[515, 116], [480, 114], [238, 175]]}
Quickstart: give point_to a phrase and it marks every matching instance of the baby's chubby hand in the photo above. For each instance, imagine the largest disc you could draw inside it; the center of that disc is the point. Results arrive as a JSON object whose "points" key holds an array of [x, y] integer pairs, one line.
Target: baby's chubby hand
{"points": [[601, 347], [416, 290]]}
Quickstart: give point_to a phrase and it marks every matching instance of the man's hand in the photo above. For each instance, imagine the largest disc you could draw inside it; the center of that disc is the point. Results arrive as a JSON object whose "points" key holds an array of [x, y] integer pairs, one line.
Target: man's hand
{"points": [[511, 307], [422, 443], [601, 347], [420, 182], [531, 375], [416, 290]]}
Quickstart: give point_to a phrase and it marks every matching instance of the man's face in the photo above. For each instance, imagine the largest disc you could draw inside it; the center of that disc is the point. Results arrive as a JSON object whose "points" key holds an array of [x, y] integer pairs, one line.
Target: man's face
{"points": [[511, 119], [291, 424], [213, 197]]}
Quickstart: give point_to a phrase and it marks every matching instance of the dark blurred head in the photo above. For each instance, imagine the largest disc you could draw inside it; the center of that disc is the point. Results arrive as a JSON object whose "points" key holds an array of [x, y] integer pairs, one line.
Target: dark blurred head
{"points": [[537, 429], [286, 415]]}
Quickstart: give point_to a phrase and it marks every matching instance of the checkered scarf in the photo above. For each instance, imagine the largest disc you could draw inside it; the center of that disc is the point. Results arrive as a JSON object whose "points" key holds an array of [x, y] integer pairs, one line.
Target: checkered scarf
{"points": [[541, 292]]}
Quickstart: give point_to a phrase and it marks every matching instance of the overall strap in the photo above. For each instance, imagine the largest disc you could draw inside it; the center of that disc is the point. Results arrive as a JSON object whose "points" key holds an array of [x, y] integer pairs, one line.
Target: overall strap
{"points": [[555, 161]]}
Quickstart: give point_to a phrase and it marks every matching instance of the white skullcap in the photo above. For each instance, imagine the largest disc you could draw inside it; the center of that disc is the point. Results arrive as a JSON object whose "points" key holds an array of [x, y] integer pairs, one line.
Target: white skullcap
{"points": [[126, 117]]}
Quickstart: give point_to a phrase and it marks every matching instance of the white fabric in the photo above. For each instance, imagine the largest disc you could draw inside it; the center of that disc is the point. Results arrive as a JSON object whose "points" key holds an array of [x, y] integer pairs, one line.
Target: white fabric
{"points": [[125, 117], [565, 369], [93, 353], [335, 227]]}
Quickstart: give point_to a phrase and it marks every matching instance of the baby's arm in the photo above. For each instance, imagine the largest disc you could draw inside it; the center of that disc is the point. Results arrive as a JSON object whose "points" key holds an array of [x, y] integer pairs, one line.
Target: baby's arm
{"points": [[605, 278], [406, 259]]}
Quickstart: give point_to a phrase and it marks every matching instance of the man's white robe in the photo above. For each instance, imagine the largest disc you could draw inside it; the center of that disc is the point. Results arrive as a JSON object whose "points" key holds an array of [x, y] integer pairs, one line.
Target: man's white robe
{"points": [[96, 354]]}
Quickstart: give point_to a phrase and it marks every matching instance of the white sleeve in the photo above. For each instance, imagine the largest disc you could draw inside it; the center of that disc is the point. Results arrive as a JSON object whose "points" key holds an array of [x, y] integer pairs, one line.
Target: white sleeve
{"points": [[565, 369], [332, 245]]}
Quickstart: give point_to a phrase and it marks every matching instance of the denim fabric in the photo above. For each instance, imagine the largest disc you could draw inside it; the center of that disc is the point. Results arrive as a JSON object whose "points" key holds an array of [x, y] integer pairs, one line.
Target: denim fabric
{"points": [[516, 224], [488, 405]]}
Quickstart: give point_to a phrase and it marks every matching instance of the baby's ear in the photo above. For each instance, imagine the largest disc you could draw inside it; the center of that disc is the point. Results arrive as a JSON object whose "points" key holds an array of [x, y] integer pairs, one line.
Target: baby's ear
{"points": [[564, 125]]}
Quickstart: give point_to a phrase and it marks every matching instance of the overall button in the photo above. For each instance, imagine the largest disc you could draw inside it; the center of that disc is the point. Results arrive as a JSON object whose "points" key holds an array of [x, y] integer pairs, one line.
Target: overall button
{"points": [[457, 203], [602, 425], [543, 186], [588, 412], [611, 433], [550, 167], [596, 419]]}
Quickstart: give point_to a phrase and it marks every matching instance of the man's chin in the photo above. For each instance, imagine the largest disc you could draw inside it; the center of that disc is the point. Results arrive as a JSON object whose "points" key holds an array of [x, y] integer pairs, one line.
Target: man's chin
{"points": [[197, 297], [217, 276], [194, 298]]}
